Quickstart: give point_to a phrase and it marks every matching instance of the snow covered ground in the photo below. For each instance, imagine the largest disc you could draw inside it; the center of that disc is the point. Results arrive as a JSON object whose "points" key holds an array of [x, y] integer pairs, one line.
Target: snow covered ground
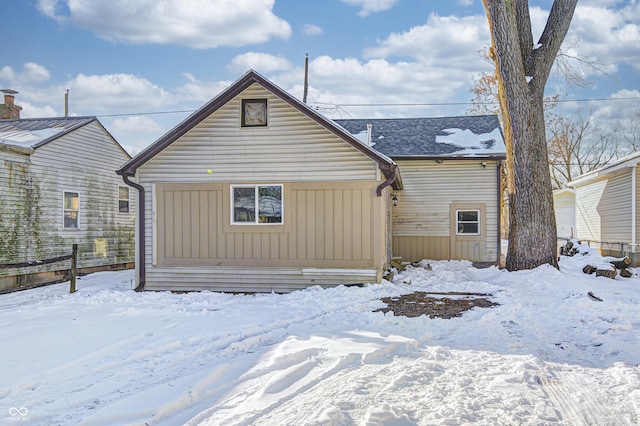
{"points": [[107, 355]]}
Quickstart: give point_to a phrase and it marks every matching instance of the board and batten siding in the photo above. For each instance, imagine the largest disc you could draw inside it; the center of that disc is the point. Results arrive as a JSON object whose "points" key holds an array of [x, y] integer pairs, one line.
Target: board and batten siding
{"points": [[82, 161], [422, 220], [603, 209], [334, 223]]}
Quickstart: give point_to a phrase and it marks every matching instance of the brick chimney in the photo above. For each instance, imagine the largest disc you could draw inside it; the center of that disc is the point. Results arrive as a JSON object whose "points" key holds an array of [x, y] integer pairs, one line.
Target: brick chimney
{"points": [[9, 110]]}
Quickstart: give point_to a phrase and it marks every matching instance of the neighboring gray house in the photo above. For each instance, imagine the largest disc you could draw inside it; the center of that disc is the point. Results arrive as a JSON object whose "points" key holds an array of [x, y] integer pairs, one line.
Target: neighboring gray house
{"points": [[607, 202], [58, 187], [256, 191], [450, 205]]}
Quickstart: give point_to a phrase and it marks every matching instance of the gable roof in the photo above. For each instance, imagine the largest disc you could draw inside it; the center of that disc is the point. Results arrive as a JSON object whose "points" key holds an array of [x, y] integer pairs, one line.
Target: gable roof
{"points": [[32, 133], [250, 77], [630, 161], [459, 137]]}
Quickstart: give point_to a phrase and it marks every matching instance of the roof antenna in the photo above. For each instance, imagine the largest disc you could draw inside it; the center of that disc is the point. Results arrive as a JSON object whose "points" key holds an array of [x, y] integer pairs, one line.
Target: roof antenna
{"points": [[66, 103], [306, 78]]}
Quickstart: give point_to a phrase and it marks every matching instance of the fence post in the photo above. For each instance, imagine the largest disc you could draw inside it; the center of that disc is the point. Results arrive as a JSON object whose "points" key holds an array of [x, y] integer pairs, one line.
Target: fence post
{"points": [[74, 265]]}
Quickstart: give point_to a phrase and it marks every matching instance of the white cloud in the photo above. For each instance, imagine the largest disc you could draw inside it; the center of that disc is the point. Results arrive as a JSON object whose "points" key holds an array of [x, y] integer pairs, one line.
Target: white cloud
{"points": [[312, 30], [134, 132], [36, 73], [261, 62], [465, 2], [114, 93], [607, 35], [367, 7], [30, 110], [444, 42], [200, 24], [7, 74], [377, 81], [198, 91], [31, 73]]}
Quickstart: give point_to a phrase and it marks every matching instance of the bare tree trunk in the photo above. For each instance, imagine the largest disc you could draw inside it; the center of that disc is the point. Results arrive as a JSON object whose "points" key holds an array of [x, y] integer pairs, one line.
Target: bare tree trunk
{"points": [[522, 72]]}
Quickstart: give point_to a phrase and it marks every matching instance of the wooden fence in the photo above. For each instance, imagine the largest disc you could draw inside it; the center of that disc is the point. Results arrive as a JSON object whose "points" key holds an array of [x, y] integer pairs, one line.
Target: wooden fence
{"points": [[74, 265]]}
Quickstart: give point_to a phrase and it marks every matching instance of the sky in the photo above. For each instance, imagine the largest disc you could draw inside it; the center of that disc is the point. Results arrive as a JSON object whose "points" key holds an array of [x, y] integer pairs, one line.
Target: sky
{"points": [[141, 66], [547, 353]]}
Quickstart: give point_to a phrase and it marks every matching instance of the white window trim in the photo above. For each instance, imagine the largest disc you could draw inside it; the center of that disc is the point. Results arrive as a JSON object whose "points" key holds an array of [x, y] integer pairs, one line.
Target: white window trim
{"points": [[479, 222], [256, 222], [122, 199], [77, 227]]}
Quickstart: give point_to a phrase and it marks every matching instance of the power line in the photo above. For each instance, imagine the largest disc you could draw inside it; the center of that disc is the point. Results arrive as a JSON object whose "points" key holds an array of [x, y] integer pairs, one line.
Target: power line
{"points": [[471, 103], [126, 114], [337, 106]]}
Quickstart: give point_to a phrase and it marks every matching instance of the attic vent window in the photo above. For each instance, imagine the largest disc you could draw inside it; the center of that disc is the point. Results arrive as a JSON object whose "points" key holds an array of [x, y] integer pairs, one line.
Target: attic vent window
{"points": [[254, 113]]}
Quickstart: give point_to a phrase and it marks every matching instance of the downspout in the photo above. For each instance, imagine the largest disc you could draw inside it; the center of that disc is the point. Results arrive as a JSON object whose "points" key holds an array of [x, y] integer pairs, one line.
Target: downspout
{"points": [[392, 178], [633, 209], [499, 212], [141, 226]]}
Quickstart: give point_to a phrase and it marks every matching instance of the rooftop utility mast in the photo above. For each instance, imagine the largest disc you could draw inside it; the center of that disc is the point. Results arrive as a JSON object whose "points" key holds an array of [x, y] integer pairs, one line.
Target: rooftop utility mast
{"points": [[306, 78]]}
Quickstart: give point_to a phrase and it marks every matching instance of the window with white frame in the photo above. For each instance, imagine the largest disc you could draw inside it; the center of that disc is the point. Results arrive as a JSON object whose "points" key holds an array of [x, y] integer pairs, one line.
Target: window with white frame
{"points": [[467, 222], [123, 199], [256, 204], [71, 207]]}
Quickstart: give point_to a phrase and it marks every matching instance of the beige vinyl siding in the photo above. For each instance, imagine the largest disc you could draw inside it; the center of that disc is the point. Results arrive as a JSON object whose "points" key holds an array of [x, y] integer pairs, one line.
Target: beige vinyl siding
{"points": [[332, 234], [333, 229], [422, 225], [603, 209], [291, 148], [82, 161]]}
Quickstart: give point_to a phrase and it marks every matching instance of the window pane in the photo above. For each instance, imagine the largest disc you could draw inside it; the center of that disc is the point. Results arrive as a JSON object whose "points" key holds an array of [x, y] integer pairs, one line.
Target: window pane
{"points": [[468, 216], [123, 192], [123, 206], [467, 228], [71, 201], [70, 219], [270, 204], [468, 222], [244, 205]]}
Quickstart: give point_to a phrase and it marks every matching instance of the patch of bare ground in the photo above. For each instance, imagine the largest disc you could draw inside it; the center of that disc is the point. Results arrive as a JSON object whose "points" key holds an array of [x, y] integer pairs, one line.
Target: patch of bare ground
{"points": [[436, 305]]}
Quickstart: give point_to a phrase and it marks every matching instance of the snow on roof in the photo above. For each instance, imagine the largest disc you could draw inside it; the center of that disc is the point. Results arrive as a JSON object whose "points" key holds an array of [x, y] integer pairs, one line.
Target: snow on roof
{"points": [[436, 136], [471, 143], [34, 132], [27, 138]]}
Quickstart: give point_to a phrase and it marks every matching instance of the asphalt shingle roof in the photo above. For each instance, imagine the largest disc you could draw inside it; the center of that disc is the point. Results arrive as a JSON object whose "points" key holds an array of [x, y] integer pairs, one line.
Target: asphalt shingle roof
{"points": [[423, 137]]}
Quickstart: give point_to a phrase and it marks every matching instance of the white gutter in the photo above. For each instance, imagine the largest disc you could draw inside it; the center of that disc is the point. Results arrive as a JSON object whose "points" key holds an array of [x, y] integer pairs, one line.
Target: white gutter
{"points": [[633, 208]]}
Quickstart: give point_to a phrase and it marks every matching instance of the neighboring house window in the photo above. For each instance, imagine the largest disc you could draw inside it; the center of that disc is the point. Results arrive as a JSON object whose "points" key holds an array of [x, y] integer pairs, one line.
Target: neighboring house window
{"points": [[123, 199], [256, 204], [254, 112], [71, 209], [468, 222]]}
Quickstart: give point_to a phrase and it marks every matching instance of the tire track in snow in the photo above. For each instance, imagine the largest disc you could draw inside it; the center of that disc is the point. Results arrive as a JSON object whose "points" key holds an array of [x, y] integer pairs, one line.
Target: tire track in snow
{"points": [[562, 388], [98, 379]]}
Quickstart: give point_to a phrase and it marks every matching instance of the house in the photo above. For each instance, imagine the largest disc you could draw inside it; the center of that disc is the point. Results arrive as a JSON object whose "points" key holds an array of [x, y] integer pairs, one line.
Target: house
{"points": [[564, 205], [607, 202], [450, 205], [58, 188], [256, 191]]}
